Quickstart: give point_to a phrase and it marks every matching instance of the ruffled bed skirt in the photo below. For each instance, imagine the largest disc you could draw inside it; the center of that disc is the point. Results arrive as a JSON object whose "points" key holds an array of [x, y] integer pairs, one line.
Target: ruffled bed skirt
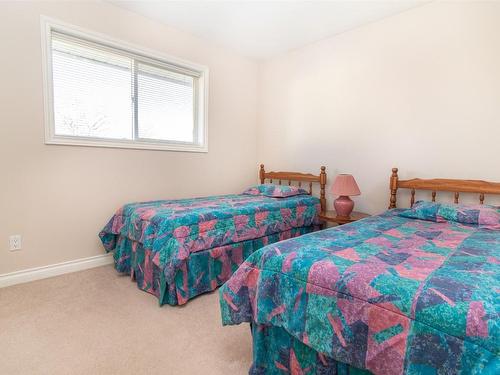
{"points": [[202, 272], [277, 352]]}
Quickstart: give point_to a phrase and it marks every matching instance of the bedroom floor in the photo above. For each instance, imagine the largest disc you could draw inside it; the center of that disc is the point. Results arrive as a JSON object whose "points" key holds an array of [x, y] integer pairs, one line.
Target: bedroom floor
{"points": [[97, 322]]}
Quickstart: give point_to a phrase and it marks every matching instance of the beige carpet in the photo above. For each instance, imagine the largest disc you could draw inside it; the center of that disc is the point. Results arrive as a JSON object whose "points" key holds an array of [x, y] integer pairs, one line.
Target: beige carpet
{"points": [[97, 322]]}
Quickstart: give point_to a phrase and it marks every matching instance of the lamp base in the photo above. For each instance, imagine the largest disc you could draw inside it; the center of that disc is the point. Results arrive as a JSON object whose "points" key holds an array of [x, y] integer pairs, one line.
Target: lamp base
{"points": [[343, 206]]}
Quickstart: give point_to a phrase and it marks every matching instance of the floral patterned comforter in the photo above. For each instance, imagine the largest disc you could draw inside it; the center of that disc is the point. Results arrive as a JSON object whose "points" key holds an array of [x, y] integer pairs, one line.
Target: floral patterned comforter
{"points": [[387, 294], [173, 229]]}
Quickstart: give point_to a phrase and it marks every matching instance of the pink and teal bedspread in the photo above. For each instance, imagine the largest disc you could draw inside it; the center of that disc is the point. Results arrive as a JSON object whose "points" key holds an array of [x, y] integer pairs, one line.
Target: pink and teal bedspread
{"points": [[178, 249], [385, 295]]}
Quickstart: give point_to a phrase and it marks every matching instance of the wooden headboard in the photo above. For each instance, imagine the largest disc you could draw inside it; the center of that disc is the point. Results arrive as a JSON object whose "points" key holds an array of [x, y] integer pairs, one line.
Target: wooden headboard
{"points": [[439, 184], [297, 177]]}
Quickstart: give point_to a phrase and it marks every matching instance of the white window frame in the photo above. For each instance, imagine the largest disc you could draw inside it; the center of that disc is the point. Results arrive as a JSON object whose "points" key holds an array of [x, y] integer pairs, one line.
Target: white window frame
{"points": [[201, 106]]}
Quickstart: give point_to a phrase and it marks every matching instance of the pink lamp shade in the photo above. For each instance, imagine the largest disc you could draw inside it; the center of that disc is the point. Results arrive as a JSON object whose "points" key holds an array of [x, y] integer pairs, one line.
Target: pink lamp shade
{"points": [[343, 186]]}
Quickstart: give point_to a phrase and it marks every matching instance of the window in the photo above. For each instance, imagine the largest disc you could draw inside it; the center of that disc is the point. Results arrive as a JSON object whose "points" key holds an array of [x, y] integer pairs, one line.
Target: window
{"points": [[100, 92]]}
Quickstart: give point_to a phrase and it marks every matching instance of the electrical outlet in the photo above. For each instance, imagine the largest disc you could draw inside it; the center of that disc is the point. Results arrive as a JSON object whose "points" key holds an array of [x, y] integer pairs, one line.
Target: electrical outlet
{"points": [[15, 242]]}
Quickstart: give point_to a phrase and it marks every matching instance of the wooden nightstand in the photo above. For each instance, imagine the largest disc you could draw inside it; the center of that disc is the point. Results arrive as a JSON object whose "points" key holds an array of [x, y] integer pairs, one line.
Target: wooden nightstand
{"points": [[331, 217]]}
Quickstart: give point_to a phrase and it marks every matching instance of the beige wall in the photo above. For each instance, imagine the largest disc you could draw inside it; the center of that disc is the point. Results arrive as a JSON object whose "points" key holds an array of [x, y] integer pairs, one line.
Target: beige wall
{"points": [[420, 91], [59, 197]]}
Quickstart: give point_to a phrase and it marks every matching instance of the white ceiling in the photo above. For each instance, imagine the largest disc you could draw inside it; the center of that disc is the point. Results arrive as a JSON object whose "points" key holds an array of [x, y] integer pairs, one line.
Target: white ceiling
{"points": [[263, 29]]}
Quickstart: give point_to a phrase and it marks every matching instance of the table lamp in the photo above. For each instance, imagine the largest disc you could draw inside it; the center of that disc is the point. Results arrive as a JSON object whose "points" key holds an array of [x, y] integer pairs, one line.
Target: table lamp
{"points": [[344, 186]]}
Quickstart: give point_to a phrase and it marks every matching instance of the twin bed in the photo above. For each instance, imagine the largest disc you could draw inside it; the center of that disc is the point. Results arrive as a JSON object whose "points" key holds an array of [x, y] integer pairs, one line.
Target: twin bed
{"points": [[178, 249], [411, 291], [405, 292]]}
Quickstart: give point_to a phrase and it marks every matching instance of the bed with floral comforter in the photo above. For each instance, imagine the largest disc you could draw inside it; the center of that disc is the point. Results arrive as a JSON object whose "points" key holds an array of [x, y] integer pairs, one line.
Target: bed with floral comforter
{"points": [[178, 249], [385, 295]]}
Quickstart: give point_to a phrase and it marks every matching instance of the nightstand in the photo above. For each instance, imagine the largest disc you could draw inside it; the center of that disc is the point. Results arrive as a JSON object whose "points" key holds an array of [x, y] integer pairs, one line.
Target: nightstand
{"points": [[331, 217]]}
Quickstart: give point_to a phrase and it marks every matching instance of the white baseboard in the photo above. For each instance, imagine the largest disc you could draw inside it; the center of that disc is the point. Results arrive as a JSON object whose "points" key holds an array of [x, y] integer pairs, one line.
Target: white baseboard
{"points": [[51, 270]]}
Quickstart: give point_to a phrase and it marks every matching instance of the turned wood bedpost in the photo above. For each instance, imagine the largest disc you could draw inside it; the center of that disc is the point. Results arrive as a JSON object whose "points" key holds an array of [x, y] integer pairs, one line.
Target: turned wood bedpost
{"points": [[322, 183], [262, 174], [394, 188]]}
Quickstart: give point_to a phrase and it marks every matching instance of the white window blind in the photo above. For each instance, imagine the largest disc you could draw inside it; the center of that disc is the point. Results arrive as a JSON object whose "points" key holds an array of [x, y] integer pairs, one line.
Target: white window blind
{"points": [[92, 91], [165, 104], [105, 95]]}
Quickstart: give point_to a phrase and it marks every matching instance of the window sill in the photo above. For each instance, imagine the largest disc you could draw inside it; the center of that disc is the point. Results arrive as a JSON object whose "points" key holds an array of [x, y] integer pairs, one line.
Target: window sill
{"points": [[135, 145]]}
